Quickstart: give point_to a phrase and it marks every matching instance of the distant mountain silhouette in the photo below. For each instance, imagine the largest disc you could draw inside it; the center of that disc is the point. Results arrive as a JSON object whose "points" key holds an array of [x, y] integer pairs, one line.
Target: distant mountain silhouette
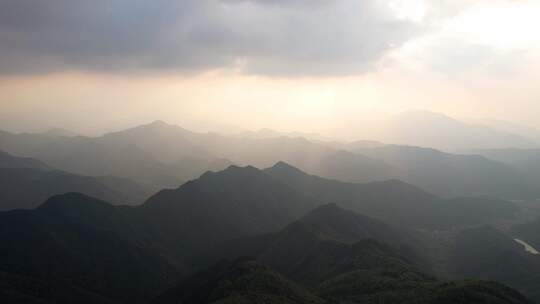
{"points": [[436, 130], [524, 161], [516, 157], [150, 154], [26, 183], [163, 155], [358, 234], [453, 175], [90, 244], [394, 201], [266, 133], [522, 130], [10, 161], [163, 142]]}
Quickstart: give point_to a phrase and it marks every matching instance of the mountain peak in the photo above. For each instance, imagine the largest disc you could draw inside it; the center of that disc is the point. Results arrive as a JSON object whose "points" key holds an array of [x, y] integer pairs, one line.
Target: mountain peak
{"points": [[232, 170], [71, 200], [158, 123], [155, 133], [282, 167], [232, 173]]}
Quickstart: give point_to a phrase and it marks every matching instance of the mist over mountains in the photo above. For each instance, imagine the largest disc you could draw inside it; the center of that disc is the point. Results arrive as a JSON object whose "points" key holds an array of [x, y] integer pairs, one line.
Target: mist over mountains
{"points": [[119, 254], [161, 214], [439, 131], [26, 183], [269, 152], [159, 155]]}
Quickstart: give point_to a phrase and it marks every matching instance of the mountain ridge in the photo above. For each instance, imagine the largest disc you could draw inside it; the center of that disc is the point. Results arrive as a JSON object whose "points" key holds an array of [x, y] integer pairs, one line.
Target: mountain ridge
{"points": [[164, 155]]}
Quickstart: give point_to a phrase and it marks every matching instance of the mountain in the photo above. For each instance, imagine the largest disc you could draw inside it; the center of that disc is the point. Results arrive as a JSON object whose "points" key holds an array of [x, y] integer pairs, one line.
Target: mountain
{"points": [[436, 130], [127, 154], [132, 254], [453, 175], [520, 158], [246, 201], [236, 202], [441, 173], [161, 141], [26, 183], [301, 249], [248, 281], [86, 243], [269, 133], [349, 258], [524, 161], [59, 132], [353, 167], [314, 157], [511, 127], [9, 161], [241, 281], [27, 188], [161, 155], [155, 243], [320, 244], [486, 253], [394, 201]]}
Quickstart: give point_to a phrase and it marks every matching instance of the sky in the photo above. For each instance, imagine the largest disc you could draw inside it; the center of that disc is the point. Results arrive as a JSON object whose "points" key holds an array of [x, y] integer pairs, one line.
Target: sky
{"points": [[292, 65]]}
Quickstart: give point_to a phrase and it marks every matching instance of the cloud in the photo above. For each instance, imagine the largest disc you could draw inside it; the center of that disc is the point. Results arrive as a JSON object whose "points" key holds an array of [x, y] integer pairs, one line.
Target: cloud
{"points": [[284, 38], [487, 39]]}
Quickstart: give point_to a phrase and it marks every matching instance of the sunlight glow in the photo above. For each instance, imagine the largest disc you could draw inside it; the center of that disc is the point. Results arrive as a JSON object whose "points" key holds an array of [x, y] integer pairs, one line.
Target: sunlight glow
{"points": [[504, 25], [412, 10]]}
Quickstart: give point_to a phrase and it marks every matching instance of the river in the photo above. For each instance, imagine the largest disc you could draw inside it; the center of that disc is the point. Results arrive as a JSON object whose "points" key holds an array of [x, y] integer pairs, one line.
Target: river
{"points": [[530, 249]]}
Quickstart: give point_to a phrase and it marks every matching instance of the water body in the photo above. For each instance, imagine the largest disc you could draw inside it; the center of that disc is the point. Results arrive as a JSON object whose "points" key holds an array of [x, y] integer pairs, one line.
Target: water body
{"points": [[530, 249]]}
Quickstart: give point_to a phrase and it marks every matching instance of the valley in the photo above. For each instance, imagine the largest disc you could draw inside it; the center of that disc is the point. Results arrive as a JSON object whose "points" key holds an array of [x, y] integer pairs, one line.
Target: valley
{"points": [[281, 218], [269, 152]]}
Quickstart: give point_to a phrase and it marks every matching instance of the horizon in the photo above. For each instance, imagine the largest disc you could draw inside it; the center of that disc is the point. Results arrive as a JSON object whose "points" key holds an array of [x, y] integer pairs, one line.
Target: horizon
{"points": [[239, 131], [270, 151], [240, 65]]}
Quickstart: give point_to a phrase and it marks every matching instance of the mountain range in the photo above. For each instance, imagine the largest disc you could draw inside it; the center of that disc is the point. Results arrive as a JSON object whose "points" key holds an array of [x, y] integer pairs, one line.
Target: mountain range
{"points": [[343, 257], [161, 214], [302, 249], [159, 155], [27, 182], [436, 130]]}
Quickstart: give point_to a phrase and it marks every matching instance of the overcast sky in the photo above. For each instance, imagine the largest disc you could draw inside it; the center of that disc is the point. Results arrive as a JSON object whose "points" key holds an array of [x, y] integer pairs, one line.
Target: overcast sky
{"points": [[305, 65]]}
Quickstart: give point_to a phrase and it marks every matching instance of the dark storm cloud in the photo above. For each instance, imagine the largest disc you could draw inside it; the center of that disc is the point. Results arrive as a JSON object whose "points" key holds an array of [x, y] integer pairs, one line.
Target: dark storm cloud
{"points": [[296, 37]]}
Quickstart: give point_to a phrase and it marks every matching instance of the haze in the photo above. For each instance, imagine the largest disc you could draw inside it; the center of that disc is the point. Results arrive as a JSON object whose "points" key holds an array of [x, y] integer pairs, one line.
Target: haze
{"points": [[270, 151], [330, 67]]}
